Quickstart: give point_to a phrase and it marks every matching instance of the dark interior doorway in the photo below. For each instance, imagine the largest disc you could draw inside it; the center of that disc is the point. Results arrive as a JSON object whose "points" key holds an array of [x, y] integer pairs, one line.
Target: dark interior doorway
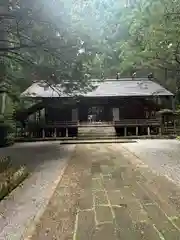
{"points": [[97, 113]]}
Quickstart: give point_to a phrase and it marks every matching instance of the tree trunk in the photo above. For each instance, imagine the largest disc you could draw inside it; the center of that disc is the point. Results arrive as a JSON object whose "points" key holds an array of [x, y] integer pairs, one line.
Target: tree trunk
{"points": [[3, 44]]}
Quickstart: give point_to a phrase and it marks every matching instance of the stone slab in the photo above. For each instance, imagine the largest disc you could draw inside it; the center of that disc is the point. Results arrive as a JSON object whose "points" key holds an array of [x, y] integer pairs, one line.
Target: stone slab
{"points": [[103, 214], [85, 225]]}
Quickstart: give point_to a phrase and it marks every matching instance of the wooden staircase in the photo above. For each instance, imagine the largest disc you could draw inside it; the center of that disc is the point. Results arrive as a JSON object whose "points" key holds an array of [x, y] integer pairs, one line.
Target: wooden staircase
{"points": [[97, 132]]}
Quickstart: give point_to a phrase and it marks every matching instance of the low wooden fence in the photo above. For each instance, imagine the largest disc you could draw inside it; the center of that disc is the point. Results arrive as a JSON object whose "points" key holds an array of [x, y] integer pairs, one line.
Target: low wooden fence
{"points": [[138, 122], [121, 122]]}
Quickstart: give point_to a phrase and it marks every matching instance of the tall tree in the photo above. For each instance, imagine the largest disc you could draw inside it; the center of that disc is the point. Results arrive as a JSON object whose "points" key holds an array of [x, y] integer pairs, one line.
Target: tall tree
{"points": [[41, 43], [153, 40]]}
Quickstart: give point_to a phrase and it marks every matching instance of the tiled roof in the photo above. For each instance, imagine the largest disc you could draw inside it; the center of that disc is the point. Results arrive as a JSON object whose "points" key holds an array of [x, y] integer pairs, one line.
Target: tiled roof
{"points": [[109, 87]]}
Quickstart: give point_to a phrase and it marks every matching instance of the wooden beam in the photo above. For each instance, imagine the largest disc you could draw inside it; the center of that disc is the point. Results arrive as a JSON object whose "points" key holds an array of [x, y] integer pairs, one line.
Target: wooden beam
{"points": [[125, 131], [173, 104], [137, 131]]}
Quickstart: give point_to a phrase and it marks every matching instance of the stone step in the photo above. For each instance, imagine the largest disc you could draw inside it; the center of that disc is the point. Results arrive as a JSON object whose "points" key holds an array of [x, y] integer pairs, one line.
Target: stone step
{"points": [[96, 131]]}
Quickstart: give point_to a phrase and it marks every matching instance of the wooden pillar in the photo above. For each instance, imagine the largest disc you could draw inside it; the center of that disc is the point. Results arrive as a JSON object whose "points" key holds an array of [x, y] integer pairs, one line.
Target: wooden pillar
{"points": [[55, 132], [160, 130], [21, 131], [66, 132], [34, 116], [173, 104], [39, 115], [43, 133], [125, 131], [3, 103], [137, 131], [148, 130], [174, 123]]}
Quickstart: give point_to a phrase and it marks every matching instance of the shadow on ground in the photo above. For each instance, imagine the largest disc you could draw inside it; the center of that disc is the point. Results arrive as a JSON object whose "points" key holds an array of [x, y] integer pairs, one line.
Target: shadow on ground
{"points": [[96, 141], [33, 155]]}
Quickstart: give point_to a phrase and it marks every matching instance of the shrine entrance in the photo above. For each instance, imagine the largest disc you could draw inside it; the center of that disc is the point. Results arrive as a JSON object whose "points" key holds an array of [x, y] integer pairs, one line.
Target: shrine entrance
{"points": [[96, 113]]}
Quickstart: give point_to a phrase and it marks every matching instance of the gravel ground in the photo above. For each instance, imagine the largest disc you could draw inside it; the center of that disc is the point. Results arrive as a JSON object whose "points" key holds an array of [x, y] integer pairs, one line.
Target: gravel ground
{"points": [[45, 161], [163, 156]]}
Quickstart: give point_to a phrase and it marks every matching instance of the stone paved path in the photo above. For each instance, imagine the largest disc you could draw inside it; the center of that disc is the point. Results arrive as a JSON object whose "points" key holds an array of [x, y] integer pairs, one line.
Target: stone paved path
{"points": [[107, 194]]}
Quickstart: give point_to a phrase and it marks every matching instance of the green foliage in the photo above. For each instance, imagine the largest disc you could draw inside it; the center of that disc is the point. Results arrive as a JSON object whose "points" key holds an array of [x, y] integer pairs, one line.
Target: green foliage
{"points": [[142, 37], [41, 44], [10, 178], [6, 131], [7, 123], [84, 39], [5, 163]]}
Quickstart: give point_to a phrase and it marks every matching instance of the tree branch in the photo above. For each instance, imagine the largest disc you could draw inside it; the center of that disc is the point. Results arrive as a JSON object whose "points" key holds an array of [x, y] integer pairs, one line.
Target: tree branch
{"points": [[176, 53], [13, 58], [7, 49]]}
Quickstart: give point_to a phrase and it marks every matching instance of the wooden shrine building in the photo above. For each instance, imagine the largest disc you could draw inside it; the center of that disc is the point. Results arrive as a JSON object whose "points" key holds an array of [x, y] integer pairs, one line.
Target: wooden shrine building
{"points": [[129, 105]]}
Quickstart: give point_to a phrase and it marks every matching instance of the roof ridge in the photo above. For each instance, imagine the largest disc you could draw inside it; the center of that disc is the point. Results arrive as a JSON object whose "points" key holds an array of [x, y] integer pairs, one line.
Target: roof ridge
{"points": [[126, 79]]}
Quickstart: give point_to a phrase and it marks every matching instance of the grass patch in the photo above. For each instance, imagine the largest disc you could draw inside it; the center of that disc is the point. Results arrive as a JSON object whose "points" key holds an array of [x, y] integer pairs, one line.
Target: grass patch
{"points": [[5, 163], [10, 177]]}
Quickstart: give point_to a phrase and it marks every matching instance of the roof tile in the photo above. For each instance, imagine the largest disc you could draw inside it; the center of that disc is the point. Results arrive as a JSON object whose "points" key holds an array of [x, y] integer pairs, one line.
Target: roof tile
{"points": [[108, 88]]}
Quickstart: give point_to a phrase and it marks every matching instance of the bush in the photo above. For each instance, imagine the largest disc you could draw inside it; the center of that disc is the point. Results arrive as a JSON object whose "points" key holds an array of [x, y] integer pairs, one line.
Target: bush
{"points": [[6, 132], [5, 163], [11, 179], [10, 139]]}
